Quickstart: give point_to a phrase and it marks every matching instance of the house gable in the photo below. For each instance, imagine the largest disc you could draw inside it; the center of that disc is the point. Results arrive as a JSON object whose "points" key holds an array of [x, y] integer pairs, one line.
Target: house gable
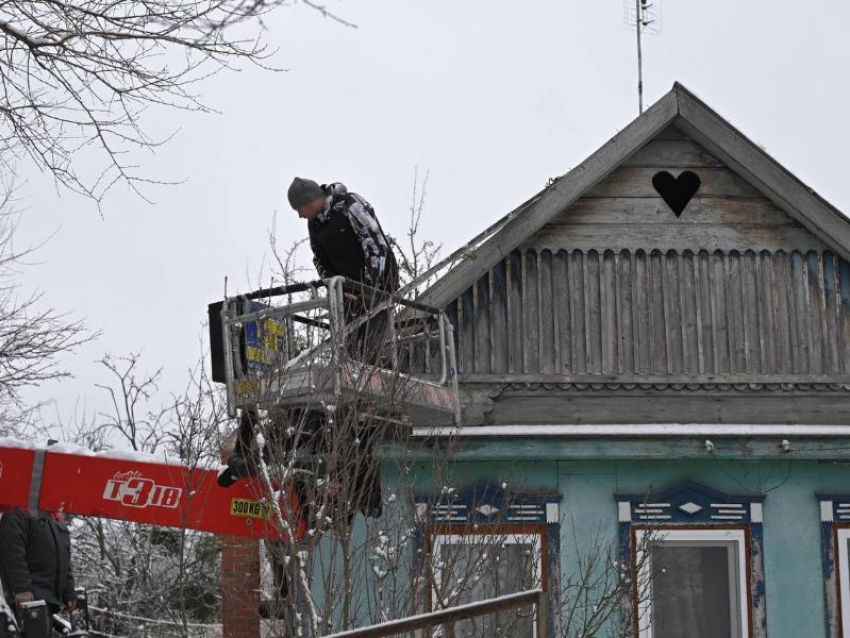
{"points": [[616, 295], [624, 210], [700, 123]]}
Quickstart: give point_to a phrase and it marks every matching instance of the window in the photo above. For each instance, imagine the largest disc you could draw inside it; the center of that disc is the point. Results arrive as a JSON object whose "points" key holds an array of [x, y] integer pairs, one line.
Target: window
{"points": [[835, 537], [481, 542], [843, 537], [471, 567], [693, 583]]}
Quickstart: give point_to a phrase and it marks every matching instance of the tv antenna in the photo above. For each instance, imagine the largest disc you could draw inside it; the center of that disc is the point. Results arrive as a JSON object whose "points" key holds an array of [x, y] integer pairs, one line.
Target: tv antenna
{"points": [[644, 16]]}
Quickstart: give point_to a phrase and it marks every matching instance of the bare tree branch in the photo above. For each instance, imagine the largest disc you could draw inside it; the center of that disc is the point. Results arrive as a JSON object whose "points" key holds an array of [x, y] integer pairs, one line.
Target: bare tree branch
{"points": [[76, 77]]}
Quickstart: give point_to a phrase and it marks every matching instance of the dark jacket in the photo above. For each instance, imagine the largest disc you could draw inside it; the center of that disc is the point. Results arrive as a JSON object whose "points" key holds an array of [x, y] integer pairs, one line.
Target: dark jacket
{"points": [[35, 556], [347, 240]]}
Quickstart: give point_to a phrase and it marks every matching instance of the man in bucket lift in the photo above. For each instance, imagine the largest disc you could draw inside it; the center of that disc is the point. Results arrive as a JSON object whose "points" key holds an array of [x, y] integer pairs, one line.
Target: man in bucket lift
{"points": [[347, 240]]}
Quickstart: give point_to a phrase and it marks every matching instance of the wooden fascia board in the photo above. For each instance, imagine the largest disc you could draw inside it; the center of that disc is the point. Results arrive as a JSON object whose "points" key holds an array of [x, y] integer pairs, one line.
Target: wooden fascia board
{"points": [[554, 200], [745, 158]]}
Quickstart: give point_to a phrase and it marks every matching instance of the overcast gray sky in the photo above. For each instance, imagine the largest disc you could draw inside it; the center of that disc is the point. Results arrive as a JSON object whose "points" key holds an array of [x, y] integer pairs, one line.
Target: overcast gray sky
{"points": [[492, 97]]}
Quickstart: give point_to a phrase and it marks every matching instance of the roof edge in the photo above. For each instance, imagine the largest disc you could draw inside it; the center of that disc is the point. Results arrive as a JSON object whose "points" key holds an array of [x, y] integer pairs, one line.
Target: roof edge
{"points": [[555, 197]]}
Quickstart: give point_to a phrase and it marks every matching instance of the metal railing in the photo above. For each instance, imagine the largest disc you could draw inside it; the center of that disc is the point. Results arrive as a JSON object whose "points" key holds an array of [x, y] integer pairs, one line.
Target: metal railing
{"points": [[329, 296], [536, 597]]}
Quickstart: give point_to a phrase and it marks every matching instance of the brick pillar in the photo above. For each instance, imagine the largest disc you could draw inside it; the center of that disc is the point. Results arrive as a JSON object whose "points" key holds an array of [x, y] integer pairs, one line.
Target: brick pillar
{"points": [[240, 585]]}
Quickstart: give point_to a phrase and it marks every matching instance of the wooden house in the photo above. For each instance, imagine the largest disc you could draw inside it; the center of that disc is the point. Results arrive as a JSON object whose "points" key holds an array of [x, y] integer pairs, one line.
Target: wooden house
{"points": [[660, 339]]}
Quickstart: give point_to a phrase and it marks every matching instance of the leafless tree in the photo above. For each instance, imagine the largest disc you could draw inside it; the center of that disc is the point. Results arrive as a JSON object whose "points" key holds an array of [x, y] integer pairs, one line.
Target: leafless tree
{"points": [[144, 580], [77, 76], [416, 254], [33, 336]]}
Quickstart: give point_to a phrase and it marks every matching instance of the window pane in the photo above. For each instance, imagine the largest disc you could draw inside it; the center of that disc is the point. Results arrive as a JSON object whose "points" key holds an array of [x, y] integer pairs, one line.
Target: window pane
{"points": [[478, 571], [693, 591]]}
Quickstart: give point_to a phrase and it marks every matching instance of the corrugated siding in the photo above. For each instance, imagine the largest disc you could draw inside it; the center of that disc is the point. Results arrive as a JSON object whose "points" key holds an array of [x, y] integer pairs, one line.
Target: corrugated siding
{"points": [[674, 312]]}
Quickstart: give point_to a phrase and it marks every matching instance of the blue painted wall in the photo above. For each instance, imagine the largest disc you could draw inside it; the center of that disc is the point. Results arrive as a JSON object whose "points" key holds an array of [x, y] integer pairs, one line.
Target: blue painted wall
{"points": [[792, 545]]}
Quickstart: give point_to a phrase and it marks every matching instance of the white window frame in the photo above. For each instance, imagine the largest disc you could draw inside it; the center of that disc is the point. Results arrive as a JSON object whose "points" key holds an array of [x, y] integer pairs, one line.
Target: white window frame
{"points": [[842, 537], [693, 537], [536, 540]]}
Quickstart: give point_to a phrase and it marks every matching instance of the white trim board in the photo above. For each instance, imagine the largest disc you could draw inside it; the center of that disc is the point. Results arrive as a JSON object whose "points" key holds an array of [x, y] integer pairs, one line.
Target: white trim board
{"points": [[842, 537], [690, 537], [635, 430]]}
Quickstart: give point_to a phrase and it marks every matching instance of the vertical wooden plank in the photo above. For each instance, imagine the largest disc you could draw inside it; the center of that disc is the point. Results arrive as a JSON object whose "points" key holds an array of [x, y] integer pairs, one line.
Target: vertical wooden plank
{"points": [[564, 325], [452, 316], [778, 293], [556, 317], [800, 314], [608, 315], [690, 313], [752, 326], [482, 325], [673, 314], [735, 312], [516, 330], [499, 317], [719, 315], [787, 312], [577, 315], [767, 311], [593, 313], [625, 310], [831, 317], [643, 322], [814, 287], [844, 306], [657, 314], [546, 313], [531, 345], [467, 331], [706, 321]]}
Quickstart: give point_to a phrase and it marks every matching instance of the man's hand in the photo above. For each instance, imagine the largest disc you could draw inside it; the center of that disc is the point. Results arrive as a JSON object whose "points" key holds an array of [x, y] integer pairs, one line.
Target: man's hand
{"points": [[23, 597], [70, 605]]}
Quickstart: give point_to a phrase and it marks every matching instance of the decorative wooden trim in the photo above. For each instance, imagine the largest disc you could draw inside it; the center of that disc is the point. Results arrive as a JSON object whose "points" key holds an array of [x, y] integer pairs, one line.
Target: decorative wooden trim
{"points": [[692, 506], [834, 516], [490, 509], [636, 430], [658, 379]]}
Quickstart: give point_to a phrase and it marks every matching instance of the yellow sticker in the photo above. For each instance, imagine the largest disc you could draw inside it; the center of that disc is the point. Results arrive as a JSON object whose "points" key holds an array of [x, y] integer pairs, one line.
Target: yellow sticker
{"points": [[247, 508], [245, 387]]}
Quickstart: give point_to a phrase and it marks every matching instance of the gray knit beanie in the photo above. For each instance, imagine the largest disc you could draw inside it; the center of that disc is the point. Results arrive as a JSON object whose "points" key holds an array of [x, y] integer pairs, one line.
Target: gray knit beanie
{"points": [[303, 191]]}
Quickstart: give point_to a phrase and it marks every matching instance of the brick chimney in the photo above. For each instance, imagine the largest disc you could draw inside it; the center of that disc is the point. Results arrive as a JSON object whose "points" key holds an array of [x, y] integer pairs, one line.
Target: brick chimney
{"points": [[240, 577], [240, 587]]}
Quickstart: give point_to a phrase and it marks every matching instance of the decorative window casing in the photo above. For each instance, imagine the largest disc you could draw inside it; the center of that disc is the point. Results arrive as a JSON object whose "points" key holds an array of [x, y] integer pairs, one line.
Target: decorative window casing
{"points": [[835, 544], [707, 546], [486, 541]]}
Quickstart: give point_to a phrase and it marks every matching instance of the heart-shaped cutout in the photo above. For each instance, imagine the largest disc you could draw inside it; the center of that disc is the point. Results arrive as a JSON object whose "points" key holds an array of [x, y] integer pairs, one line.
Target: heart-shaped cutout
{"points": [[676, 191]]}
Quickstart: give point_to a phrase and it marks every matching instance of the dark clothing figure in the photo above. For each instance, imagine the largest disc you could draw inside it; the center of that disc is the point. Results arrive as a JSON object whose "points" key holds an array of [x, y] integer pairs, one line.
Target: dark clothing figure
{"points": [[347, 240], [35, 558]]}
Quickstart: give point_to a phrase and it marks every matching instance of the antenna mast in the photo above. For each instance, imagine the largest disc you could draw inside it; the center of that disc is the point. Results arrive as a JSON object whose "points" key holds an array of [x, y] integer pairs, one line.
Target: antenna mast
{"points": [[644, 16]]}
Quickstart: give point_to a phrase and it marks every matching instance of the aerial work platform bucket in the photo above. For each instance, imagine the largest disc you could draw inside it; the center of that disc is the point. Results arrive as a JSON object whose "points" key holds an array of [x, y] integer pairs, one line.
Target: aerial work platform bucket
{"points": [[297, 347]]}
